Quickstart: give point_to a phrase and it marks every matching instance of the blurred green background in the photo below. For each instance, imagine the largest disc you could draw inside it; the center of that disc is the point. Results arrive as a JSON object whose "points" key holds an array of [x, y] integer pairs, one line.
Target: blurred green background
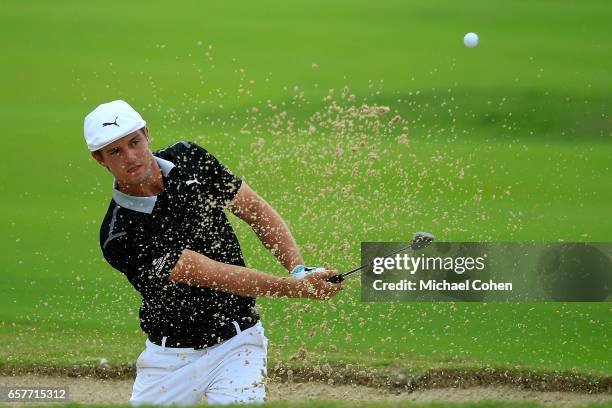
{"points": [[510, 141]]}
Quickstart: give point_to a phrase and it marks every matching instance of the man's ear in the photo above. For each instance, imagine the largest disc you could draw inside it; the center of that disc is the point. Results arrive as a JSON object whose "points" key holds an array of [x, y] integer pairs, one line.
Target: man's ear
{"points": [[146, 133], [98, 156]]}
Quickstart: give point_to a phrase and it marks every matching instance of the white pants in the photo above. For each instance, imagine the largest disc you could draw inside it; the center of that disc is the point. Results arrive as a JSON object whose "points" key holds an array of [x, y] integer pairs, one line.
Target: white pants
{"points": [[230, 372]]}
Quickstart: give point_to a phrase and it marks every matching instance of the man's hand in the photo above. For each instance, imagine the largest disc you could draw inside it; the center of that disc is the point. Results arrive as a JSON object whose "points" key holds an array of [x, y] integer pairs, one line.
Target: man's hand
{"points": [[315, 285]]}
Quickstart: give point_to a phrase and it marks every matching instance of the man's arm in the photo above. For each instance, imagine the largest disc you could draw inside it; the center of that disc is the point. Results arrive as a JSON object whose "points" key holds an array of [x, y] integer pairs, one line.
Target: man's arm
{"points": [[268, 225], [196, 269]]}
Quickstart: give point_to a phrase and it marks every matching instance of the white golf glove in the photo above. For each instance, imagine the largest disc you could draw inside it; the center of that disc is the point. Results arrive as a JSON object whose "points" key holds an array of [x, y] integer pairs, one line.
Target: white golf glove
{"points": [[301, 271]]}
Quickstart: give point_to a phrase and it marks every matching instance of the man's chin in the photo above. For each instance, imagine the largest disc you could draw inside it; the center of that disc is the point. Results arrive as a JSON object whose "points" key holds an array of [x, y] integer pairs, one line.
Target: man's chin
{"points": [[139, 180]]}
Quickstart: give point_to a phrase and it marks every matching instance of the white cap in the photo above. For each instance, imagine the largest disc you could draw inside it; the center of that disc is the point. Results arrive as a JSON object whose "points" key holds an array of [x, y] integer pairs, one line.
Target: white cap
{"points": [[109, 122]]}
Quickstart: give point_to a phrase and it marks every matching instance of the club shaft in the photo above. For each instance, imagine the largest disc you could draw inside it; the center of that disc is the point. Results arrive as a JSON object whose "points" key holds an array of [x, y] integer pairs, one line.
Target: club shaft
{"points": [[349, 273], [419, 241]]}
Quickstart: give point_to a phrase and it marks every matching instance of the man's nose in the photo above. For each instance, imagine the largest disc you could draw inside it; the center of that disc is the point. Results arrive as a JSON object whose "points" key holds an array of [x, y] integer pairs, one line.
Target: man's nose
{"points": [[129, 157]]}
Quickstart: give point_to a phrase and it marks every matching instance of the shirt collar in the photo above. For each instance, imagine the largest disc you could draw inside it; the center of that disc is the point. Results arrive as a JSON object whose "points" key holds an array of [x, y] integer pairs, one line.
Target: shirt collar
{"points": [[141, 204]]}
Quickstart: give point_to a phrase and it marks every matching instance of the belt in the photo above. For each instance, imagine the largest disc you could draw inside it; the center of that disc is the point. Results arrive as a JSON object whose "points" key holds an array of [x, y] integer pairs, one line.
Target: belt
{"points": [[222, 333]]}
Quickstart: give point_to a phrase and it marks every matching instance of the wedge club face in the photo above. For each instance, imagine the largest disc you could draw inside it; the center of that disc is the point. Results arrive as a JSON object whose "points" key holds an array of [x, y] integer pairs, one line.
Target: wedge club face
{"points": [[420, 240]]}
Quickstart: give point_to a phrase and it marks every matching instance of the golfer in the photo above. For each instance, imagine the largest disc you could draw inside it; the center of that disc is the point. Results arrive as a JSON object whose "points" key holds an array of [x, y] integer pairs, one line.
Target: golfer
{"points": [[167, 231]]}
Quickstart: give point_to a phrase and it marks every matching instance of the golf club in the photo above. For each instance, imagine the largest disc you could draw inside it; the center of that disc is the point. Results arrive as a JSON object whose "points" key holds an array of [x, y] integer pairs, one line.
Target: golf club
{"points": [[420, 240]]}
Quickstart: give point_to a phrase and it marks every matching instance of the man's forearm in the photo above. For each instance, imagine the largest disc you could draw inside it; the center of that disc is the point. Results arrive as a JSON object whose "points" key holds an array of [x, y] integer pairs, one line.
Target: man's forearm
{"points": [[196, 269], [268, 225], [275, 235]]}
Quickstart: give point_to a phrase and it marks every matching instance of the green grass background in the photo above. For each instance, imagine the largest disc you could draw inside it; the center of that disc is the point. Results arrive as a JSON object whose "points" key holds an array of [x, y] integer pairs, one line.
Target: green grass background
{"points": [[510, 141]]}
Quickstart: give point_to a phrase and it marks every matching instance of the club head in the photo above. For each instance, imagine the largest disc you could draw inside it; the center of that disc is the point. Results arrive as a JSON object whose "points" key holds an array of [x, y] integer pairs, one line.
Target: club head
{"points": [[421, 240]]}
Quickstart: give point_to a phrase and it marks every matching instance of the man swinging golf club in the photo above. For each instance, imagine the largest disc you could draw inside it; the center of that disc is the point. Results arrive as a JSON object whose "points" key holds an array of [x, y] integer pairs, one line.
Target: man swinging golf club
{"points": [[167, 231]]}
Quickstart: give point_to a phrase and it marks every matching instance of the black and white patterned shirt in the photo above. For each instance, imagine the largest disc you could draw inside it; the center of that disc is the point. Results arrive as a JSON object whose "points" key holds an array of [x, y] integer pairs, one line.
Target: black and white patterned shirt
{"points": [[143, 237]]}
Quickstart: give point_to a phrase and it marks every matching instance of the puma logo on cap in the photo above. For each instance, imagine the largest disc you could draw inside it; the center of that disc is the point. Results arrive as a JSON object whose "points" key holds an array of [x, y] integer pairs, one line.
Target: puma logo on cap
{"points": [[111, 123]]}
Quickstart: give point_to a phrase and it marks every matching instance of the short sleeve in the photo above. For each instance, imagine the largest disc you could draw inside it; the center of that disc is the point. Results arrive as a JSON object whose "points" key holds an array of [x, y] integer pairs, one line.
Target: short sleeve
{"points": [[147, 260], [223, 183]]}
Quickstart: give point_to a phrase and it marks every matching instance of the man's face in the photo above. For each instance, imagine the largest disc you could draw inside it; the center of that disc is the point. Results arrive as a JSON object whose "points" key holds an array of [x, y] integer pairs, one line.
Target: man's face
{"points": [[129, 158]]}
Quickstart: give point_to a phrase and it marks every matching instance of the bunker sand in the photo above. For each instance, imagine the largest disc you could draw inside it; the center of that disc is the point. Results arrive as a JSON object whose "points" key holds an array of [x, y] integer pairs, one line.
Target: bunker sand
{"points": [[89, 390]]}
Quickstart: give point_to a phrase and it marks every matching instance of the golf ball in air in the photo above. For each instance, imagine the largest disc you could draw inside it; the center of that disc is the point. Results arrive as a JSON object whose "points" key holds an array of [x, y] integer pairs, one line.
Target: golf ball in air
{"points": [[470, 40]]}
